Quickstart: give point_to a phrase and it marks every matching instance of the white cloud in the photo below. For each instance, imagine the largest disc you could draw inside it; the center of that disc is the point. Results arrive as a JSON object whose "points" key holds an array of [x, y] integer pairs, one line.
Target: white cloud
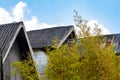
{"points": [[4, 16], [18, 14], [92, 23], [18, 11], [36, 24]]}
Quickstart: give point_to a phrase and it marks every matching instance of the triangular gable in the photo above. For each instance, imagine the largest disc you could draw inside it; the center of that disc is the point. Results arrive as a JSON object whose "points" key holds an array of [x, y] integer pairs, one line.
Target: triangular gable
{"points": [[45, 37], [8, 34]]}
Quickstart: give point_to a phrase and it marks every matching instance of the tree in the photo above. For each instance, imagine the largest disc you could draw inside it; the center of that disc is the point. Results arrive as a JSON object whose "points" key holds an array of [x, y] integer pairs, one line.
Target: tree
{"points": [[63, 64], [86, 60], [26, 69]]}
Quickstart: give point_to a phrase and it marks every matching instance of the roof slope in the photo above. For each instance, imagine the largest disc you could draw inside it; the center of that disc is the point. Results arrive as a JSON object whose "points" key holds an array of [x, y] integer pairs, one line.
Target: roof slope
{"points": [[45, 37], [7, 31], [114, 37]]}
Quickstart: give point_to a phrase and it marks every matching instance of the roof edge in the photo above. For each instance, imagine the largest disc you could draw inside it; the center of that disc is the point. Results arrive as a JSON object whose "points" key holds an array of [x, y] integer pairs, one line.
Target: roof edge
{"points": [[52, 28], [65, 37], [11, 43]]}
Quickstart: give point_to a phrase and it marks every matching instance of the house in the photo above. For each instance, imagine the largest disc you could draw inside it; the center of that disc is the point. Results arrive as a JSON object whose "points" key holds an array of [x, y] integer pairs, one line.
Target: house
{"points": [[14, 46], [40, 39], [113, 39]]}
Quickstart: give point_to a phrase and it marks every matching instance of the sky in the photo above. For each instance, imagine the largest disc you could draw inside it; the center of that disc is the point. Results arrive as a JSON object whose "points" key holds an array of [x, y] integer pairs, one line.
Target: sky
{"points": [[39, 14]]}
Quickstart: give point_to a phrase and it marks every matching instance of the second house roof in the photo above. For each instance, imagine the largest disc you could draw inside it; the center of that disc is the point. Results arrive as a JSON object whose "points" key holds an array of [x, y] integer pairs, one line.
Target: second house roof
{"points": [[45, 37]]}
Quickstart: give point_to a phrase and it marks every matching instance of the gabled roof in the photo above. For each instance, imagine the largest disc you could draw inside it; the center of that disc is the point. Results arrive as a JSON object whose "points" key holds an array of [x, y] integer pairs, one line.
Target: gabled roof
{"points": [[7, 31], [45, 37], [114, 37], [8, 34]]}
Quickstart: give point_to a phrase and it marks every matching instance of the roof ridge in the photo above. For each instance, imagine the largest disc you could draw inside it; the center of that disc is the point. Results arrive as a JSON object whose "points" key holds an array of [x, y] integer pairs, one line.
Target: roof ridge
{"points": [[69, 26], [7, 32], [20, 22], [111, 34]]}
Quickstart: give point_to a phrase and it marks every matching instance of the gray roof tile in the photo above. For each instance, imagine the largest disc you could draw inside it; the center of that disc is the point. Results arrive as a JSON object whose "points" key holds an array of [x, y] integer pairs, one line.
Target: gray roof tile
{"points": [[44, 37], [114, 37], [7, 31]]}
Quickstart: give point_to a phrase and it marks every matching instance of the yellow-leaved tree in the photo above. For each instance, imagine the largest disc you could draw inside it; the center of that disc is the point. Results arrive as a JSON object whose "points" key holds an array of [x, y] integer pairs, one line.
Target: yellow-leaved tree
{"points": [[85, 58], [25, 69], [88, 59]]}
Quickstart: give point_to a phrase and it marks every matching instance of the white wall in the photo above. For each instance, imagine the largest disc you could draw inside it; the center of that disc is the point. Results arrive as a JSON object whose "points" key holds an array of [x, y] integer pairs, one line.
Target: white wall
{"points": [[40, 59], [13, 56]]}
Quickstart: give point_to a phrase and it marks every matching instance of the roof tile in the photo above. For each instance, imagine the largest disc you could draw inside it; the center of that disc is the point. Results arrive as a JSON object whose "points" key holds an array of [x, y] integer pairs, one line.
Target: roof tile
{"points": [[7, 31], [44, 37]]}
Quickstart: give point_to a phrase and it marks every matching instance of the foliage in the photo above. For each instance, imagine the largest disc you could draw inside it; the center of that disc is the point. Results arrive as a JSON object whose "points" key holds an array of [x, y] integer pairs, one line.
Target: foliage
{"points": [[88, 59], [63, 62], [26, 69], [83, 59]]}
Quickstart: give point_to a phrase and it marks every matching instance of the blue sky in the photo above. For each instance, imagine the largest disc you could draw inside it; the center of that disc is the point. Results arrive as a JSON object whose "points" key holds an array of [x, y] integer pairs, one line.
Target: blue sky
{"points": [[60, 12]]}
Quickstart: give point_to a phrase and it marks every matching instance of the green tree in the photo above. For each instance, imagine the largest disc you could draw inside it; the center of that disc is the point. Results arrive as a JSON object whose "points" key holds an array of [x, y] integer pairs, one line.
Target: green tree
{"points": [[26, 69], [86, 60], [63, 64]]}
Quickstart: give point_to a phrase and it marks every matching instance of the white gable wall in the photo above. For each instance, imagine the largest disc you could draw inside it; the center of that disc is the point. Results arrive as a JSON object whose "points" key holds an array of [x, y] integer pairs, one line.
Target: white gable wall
{"points": [[13, 56], [40, 59]]}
